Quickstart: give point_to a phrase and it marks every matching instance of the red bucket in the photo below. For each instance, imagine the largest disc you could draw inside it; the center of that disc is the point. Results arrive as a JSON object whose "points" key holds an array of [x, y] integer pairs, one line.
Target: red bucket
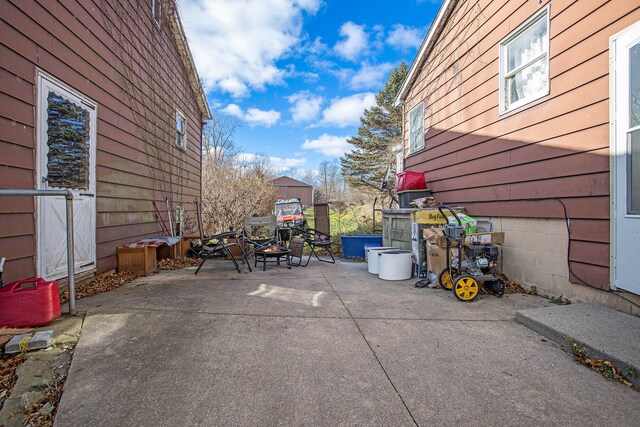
{"points": [[30, 302], [409, 180]]}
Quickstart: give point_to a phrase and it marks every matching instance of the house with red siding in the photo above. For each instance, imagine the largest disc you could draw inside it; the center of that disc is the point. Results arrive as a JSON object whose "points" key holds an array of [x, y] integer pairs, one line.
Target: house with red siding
{"points": [[101, 98], [528, 114]]}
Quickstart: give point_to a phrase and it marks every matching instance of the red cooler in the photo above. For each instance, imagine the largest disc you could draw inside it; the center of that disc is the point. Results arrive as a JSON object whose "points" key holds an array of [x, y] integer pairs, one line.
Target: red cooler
{"points": [[409, 180], [31, 302]]}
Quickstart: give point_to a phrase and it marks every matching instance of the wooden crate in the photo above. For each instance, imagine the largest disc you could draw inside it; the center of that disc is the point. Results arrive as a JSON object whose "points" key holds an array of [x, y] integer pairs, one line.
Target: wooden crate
{"points": [[236, 251], [165, 251], [140, 261], [186, 245]]}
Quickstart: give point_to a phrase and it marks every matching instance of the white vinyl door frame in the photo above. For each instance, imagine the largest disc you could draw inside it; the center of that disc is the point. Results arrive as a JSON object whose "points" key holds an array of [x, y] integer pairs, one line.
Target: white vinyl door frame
{"points": [[45, 83], [619, 145]]}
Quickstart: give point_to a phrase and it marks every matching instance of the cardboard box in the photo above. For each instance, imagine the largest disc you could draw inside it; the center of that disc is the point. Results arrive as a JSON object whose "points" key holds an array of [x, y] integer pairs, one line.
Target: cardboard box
{"points": [[494, 238], [437, 257], [435, 236], [469, 223]]}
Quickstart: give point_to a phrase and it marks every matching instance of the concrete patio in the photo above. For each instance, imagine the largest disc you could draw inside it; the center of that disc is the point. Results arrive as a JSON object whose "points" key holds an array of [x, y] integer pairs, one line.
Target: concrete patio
{"points": [[322, 345]]}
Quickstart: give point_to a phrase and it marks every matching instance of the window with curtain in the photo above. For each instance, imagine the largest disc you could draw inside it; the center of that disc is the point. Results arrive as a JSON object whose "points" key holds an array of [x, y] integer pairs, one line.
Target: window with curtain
{"points": [[416, 128], [524, 63]]}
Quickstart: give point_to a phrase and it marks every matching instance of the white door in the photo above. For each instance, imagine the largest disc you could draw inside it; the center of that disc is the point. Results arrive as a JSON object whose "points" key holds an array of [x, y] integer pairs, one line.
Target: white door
{"points": [[66, 160], [625, 66]]}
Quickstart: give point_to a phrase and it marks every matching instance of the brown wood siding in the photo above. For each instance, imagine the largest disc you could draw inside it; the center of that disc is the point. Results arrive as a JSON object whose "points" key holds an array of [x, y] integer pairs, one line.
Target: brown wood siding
{"points": [[305, 194], [113, 53], [285, 180], [525, 163]]}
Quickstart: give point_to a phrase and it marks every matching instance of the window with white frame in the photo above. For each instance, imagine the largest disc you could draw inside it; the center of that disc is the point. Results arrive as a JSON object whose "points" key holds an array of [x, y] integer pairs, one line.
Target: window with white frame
{"points": [[524, 63], [399, 151], [156, 10], [181, 130], [416, 128]]}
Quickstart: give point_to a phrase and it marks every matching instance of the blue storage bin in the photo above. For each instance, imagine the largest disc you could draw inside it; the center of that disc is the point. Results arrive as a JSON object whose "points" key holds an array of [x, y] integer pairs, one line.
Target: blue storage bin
{"points": [[353, 246]]}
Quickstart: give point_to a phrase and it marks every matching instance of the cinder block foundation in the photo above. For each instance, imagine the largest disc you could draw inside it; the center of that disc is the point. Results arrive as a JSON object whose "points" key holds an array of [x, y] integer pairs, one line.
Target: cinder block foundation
{"points": [[535, 254]]}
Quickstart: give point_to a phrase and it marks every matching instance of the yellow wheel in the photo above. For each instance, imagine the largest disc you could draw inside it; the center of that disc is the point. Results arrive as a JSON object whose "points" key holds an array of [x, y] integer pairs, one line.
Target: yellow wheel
{"points": [[445, 280], [465, 288]]}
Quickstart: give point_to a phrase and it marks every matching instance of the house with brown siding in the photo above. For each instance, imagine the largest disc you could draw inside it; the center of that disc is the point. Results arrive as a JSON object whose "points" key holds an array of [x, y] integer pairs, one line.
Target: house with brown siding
{"points": [[289, 188], [103, 98], [528, 114]]}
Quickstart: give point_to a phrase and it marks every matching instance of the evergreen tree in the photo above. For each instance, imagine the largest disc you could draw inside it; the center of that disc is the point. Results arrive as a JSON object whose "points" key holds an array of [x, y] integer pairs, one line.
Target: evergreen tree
{"points": [[379, 133]]}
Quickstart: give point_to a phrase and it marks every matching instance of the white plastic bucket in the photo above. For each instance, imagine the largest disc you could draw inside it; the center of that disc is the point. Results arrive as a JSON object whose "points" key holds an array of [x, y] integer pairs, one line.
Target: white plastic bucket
{"points": [[395, 265], [372, 262], [368, 246]]}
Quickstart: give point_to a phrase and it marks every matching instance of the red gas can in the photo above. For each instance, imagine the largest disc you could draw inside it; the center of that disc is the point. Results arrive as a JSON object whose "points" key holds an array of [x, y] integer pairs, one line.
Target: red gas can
{"points": [[30, 302]]}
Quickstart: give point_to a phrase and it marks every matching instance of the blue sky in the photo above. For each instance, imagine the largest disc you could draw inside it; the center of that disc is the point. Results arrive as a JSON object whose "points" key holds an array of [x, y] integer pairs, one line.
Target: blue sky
{"points": [[297, 74]]}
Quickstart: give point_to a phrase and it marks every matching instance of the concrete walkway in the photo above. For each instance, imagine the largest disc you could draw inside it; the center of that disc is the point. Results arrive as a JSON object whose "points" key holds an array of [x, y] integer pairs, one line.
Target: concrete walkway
{"points": [[604, 333], [323, 345]]}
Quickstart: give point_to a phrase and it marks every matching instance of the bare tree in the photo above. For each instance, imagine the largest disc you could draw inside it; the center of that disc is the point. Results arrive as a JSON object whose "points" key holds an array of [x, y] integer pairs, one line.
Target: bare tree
{"points": [[259, 165], [217, 139], [230, 193], [330, 183], [309, 176]]}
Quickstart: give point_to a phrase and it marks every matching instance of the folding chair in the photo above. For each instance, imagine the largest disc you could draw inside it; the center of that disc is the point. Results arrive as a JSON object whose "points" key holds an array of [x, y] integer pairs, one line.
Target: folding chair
{"points": [[314, 239], [258, 232], [212, 245]]}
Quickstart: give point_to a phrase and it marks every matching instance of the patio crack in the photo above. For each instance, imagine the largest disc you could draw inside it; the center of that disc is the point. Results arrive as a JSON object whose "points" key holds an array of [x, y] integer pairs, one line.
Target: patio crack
{"points": [[372, 351]]}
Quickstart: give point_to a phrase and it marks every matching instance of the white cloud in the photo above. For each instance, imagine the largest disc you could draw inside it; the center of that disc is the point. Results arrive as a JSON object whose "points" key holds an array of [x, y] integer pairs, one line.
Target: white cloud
{"points": [[253, 116], [304, 106], [370, 76], [307, 76], [235, 44], [277, 163], [355, 41], [329, 145], [404, 38], [316, 47], [346, 111]]}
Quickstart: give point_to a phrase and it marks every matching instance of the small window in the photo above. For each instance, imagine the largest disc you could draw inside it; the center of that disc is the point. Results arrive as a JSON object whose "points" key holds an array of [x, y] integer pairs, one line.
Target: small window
{"points": [[156, 10], [181, 130], [399, 158], [524, 63], [416, 128]]}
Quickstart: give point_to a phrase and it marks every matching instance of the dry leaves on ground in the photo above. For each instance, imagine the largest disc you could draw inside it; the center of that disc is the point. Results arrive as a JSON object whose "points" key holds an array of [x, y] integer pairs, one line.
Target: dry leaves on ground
{"points": [[177, 263], [511, 286], [8, 366], [606, 368], [101, 284], [43, 414]]}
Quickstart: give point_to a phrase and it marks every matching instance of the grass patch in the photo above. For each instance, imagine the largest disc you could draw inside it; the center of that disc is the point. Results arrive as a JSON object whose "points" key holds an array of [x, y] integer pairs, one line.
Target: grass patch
{"points": [[557, 300], [345, 219]]}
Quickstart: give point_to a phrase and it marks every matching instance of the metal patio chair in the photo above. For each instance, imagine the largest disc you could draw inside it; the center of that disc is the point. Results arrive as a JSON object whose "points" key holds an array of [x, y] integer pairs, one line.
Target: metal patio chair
{"points": [[218, 243], [258, 232], [315, 240]]}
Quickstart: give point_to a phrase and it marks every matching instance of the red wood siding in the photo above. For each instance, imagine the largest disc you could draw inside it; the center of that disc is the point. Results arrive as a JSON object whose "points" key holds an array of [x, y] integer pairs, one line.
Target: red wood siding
{"points": [[526, 163], [113, 53]]}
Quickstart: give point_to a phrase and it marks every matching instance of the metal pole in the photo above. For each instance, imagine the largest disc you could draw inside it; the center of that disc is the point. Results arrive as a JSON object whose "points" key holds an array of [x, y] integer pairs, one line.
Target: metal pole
{"points": [[71, 270], [71, 280]]}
